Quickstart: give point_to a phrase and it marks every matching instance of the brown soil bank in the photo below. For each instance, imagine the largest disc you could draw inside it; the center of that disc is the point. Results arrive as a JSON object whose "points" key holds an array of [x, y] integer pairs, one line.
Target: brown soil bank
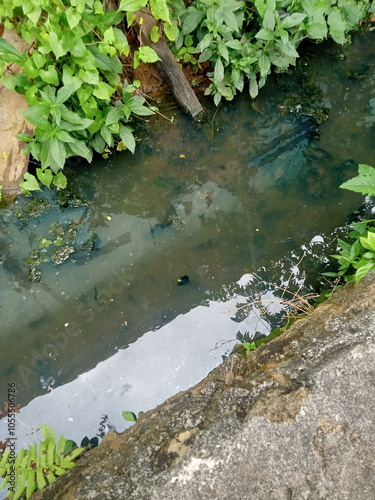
{"points": [[292, 420]]}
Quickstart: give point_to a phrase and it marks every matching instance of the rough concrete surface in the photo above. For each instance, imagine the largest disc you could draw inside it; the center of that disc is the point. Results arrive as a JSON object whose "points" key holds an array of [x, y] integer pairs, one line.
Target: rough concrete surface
{"points": [[13, 163], [292, 420]]}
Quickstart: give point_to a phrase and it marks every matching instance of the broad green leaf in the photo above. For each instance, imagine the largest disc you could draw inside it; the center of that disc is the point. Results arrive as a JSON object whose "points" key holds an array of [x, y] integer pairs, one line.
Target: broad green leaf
{"points": [[159, 9], [132, 5], [50, 76], [107, 136], [73, 17], [113, 116], [65, 92], [29, 68], [121, 42], [154, 34], [19, 82], [363, 271], [369, 241], [127, 137], [24, 137], [129, 416], [136, 105], [337, 26], [238, 79], [109, 35], [148, 55], [318, 29], [269, 19], [34, 14], [80, 50], [30, 183], [98, 143], [288, 49], [218, 71], [103, 91], [229, 18], [79, 5], [74, 118], [105, 62], [253, 87], [56, 45], [7, 48], [264, 64], [53, 154], [234, 44], [171, 30], [38, 59], [223, 51], [292, 20], [37, 114], [265, 34], [45, 176], [217, 98], [192, 20], [90, 76], [308, 7], [80, 149], [364, 182], [59, 180], [63, 136]]}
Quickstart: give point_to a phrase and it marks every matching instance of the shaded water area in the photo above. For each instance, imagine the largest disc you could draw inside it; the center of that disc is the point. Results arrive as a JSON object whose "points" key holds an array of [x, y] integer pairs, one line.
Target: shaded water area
{"points": [[234, 203]]}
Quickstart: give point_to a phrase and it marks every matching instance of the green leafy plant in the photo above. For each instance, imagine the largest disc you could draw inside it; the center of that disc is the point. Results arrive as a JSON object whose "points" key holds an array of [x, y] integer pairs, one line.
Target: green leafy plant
{"points": [[249, 346], [186, 52], [71, 79], [245, 41], [130, 416], [357, 259], [38, 465]]}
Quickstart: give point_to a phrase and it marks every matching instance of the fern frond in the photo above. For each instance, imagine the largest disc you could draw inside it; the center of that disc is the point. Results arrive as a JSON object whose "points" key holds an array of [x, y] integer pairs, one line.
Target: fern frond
{"points": [[61, 446], [48, 432], [51, 449], [33, 452], [4, 458], [40, 479], [31, 483], [58, 471], [20, 457], [50, 477], [43, 455], [25, 462], [4, 483], [74, 453], [67, 464], [20, 486]]}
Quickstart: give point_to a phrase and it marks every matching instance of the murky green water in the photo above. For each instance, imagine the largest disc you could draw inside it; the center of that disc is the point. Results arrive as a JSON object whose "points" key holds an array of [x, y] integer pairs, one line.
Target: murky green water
{"points": [[246, 193]]}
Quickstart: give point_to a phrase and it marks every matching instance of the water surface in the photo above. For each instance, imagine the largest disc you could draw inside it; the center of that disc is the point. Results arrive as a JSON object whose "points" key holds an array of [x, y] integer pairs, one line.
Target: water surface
{"points": [[233, 203]]}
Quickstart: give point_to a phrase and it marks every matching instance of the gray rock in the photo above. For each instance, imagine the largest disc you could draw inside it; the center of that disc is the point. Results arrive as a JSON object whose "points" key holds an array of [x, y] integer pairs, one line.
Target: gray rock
{"points": [[292, 420]]}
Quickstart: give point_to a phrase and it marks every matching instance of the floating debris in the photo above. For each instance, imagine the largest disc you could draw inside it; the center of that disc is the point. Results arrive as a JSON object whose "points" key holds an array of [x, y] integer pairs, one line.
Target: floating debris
{"points": [[182, 280]]}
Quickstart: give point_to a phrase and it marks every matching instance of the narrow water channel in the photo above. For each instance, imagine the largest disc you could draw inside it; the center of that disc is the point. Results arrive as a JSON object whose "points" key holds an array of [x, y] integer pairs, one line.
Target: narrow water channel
{"points": [[233, 203]]}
